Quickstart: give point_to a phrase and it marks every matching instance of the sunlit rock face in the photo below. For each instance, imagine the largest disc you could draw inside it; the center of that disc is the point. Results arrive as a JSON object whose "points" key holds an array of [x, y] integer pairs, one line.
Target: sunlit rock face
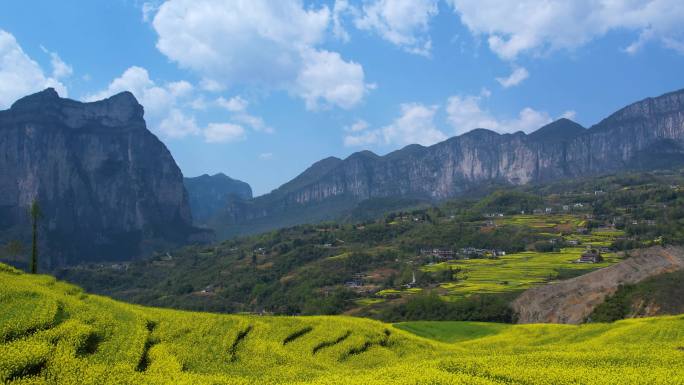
{"points": [[108, 188], [648, 134]]}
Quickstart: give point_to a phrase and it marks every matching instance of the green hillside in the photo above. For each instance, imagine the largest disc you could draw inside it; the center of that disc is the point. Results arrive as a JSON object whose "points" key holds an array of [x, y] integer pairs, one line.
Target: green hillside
{"points": [[367, 268], [52, 332]]}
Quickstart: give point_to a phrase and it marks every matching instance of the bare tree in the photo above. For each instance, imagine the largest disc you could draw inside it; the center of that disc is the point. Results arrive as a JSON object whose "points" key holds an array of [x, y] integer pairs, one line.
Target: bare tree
{"points": [[35, 213]]}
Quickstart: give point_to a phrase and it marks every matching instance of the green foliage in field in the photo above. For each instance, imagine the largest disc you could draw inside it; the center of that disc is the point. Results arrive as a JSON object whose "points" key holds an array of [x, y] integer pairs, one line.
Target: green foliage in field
{"points": [[662, 294], [53, 333]]}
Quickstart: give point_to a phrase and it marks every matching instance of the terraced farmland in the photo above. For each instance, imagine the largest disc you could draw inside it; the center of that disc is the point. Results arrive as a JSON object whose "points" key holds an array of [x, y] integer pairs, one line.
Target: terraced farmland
{"points": [[513, 272], [53, 333]]}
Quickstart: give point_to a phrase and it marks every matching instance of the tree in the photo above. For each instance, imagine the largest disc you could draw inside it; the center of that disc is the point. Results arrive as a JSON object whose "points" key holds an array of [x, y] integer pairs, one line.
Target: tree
{"points": [[35, 213]]}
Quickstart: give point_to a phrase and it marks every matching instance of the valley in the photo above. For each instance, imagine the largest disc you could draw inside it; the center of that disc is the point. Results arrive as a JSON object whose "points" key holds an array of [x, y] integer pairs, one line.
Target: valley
{"points": [[466, 259]]}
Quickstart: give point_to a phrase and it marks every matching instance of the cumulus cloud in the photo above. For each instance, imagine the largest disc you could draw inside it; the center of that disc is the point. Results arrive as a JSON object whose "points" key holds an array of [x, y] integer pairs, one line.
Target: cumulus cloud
{"points": [[259, 43], [238, 108], [20, 75], [223, 132], [357, 126], [516, 77], [178, 125], [404, 23], [234, 104], [465, 113], [416, 124], [157, 99], [60, 69], [164, 104], [341, 8], [532, 26], [326, 80]]}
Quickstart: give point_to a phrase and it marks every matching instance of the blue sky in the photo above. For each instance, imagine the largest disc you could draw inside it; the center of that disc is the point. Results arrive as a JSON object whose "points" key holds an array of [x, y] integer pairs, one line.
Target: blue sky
{"points": [[260, 90]]}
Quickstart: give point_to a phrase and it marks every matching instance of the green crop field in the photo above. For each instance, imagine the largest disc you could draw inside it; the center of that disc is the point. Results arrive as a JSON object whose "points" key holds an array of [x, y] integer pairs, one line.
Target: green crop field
{"points": [[52, 332], [513, 271]]}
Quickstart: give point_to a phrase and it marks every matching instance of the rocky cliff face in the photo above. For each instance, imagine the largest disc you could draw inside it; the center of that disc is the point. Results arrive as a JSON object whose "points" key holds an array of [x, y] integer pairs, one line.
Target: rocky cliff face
{"points": [[108, 188], [632, 137], [210, 195]]}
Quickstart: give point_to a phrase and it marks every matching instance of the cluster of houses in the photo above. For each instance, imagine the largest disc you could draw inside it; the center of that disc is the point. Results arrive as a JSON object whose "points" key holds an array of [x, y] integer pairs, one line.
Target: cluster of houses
{"points": [[464, 253], [550, 210]]}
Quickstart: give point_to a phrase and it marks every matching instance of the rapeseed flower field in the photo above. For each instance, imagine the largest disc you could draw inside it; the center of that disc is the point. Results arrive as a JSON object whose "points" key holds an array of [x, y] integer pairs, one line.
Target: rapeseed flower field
{"points": [[52, 332]]}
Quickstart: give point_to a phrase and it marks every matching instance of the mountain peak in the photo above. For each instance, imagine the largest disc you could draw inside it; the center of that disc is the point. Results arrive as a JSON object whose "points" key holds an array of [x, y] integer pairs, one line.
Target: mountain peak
{"points": [[48, 95], [47, 106], [559, 130]]}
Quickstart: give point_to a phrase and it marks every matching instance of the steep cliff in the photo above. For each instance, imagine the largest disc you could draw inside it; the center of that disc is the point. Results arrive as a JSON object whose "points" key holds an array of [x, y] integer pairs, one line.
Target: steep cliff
{"points": [[210, 194], [108, 188], [636, 136]]}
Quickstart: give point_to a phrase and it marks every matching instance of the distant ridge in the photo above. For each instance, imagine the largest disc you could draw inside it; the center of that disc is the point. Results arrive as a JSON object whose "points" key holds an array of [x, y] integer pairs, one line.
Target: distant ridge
{"points": [[210, 194], [332, 188]]}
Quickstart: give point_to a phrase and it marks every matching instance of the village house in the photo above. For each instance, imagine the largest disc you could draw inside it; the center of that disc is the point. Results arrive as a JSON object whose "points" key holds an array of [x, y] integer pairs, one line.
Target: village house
{"points": [[590, 256], [445, 254]]}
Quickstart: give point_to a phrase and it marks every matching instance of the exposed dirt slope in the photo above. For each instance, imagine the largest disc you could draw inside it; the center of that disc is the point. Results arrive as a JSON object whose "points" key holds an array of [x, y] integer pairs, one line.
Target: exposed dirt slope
{"points": [[571, 301]]}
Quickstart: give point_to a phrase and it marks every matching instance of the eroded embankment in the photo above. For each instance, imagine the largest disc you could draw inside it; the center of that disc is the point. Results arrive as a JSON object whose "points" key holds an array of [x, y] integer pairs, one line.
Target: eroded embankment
{"points": [[571, 301]]}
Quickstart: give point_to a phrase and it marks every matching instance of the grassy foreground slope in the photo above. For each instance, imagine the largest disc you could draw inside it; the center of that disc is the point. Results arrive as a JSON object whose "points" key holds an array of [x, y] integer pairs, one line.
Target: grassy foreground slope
{"points": [[53, 332]]}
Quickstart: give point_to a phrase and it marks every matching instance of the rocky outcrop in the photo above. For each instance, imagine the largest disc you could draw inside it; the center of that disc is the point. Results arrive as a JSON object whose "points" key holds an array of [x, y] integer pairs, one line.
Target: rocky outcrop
{"points": [[210, 195], [632, 137], [108, 188], [572, 300]]}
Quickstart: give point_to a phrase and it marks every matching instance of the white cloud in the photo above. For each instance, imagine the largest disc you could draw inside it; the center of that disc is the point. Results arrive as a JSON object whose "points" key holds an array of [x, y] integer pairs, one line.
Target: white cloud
{"points": [[60, 69], [357, 126], [199, 103], [326, 80], [570, 114], [416, 124], [234, 104], [534, 26], [516, 77], [404, 23], [156, 99], [19, 74], [258, 43], [340, 8], [223, 132], [238, 108], [465, 113], [149, 8], [363, 139], [178, 125], [266, 156], [163, 103]]}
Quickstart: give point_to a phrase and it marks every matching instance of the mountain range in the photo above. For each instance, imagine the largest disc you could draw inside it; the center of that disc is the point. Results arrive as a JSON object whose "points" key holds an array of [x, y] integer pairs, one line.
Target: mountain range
{"points": [[648, 134], [110, 189]]}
